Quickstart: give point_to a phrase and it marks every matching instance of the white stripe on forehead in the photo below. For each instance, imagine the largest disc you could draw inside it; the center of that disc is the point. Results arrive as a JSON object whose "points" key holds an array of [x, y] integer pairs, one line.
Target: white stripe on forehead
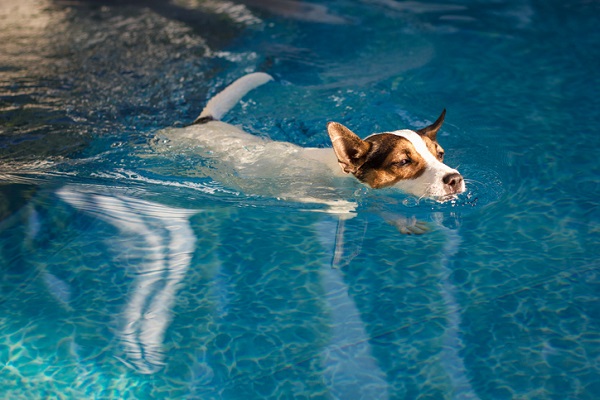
{"points": [[418, 143]]}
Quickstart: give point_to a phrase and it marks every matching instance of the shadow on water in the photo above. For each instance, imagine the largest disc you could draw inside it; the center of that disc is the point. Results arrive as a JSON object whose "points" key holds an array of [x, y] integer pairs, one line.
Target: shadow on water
{"points": [[13, 197]]}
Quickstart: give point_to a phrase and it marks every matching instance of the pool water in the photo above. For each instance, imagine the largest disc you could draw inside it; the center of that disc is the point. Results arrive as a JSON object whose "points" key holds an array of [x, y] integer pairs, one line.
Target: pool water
{"points": [[128, 274]]}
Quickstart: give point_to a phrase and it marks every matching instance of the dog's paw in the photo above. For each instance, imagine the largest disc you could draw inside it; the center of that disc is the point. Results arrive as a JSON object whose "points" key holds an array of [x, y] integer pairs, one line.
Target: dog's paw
{"points": [[410, 226]]}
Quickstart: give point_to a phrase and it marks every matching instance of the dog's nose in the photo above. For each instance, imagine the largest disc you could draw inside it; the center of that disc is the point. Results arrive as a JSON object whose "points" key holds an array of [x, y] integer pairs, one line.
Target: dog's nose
{"points": [[453, 180]]}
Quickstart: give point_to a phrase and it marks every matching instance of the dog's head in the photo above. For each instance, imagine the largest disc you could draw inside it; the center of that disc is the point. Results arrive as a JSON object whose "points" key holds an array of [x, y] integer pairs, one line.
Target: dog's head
{"points": [[409, 160]]}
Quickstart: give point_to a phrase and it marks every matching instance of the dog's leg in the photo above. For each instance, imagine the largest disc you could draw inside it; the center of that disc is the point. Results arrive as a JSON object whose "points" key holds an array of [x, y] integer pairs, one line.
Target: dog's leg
{"points": [[338, 248], [405, 225], [341, 257]]}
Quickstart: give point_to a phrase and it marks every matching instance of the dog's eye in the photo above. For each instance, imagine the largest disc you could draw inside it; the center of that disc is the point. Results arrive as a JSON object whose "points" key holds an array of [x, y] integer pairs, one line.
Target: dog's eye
{"points": [[440, 155], [402, 162]]}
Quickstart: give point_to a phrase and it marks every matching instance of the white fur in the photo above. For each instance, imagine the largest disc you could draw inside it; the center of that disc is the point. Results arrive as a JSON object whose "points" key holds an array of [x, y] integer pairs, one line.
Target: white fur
{"points": [[259, 166], [430, 183], [226, 99]]}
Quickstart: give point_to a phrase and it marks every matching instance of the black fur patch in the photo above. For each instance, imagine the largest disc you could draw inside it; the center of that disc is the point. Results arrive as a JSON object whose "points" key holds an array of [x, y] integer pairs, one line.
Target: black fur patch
{"points": [[203, 120]]}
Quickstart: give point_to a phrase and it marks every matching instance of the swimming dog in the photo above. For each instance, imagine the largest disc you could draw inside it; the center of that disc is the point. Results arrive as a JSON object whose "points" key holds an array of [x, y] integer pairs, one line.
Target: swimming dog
{"points": [[411, 161]]}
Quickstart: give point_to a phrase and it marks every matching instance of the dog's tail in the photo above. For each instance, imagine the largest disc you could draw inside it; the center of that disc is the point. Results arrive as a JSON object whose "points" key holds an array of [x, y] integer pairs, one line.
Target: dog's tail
{"points": [[226, 99]]}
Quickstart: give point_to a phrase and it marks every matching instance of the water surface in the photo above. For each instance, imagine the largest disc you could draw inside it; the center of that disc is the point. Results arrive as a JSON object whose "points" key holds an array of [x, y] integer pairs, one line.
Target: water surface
{"points": [[131, 274]]}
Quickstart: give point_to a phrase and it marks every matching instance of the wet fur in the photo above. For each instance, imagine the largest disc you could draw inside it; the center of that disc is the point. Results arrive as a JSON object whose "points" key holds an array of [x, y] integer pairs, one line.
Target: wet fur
{"points": [[283, 170]]}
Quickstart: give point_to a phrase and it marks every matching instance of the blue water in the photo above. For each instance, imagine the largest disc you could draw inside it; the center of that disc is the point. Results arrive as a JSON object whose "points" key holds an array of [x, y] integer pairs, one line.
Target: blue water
{"points": [[129, 275]]}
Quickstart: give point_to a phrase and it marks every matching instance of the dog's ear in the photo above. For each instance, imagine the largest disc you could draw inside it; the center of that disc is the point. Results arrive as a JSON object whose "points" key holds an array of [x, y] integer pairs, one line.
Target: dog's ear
{"points": [[350, 150], [432, 130]]}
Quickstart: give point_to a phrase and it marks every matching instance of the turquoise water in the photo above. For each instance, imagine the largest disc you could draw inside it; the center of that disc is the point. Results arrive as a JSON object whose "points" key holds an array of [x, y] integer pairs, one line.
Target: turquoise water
{"points": [[128, 274]]}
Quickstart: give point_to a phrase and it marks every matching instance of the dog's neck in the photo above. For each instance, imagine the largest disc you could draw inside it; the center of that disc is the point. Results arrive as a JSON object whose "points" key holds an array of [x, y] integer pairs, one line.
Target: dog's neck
{"points": [[324, 156]]}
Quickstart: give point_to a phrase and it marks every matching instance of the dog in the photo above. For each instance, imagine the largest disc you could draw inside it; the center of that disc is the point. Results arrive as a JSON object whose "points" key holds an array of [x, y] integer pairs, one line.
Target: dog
{"points": [[411, 161], [164, 240]]}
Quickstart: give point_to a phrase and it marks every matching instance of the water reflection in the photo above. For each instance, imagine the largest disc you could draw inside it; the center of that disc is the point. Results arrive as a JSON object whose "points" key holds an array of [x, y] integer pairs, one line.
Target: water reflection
{"points": [[161, 243], [451, 359], [348, 357], [155, 243], [268, 298]]}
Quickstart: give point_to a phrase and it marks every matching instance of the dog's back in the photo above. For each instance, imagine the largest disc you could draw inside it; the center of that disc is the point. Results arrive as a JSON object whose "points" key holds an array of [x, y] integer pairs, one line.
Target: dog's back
{"points": [[411, 161], [252, 164]]}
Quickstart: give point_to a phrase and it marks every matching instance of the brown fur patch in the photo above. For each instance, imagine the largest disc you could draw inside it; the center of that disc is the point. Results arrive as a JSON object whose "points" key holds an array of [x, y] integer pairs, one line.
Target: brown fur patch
{"points": [[350, 150], [392, 158], [434, 148], [383, 159]]}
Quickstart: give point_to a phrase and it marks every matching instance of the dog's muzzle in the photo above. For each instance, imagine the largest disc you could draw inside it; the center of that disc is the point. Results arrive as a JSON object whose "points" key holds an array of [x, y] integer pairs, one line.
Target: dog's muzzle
{"points": [[453, 183]]}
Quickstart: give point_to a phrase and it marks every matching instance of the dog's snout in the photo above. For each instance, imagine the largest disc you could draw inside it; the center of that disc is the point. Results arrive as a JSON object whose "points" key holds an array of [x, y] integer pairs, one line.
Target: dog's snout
{"points": [[453, 180]]}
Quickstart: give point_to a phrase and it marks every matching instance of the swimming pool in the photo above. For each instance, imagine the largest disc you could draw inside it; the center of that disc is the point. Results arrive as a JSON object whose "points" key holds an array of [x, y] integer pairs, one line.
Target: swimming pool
{"points": [[129, 274]]}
